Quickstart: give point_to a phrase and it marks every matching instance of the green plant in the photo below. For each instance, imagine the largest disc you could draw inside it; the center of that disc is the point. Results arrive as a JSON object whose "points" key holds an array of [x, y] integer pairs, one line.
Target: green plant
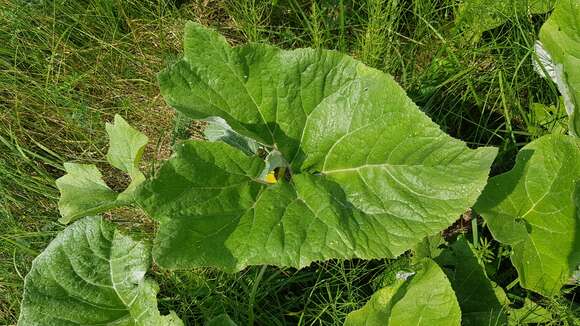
{"points": [[91, 272], [309, 116], [83, 191], [559, 47], [405, 302], [477, 16], [312, 110], [533, 208]]}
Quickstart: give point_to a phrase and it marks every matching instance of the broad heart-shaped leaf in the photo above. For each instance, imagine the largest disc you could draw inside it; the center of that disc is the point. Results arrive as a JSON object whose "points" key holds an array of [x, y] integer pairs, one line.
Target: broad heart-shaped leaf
{"points": [[371, 175], [478, 16], [478, 297], [82, 189], [534, 208], [560, 36], [214, 212], [425, 298], [91, 274]]}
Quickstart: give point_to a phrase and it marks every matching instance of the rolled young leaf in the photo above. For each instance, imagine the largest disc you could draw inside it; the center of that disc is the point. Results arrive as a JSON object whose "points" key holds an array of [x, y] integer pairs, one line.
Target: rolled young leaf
{"points": [[535, 209], [217, 129], [91, 274], [368, 174], [425, 298]]}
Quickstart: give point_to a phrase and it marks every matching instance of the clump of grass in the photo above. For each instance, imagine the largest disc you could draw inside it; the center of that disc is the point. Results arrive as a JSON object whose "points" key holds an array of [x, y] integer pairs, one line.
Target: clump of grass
{"points": [[24, 228], [250, 17], [379, 42], [322, 294], [65, 69]]}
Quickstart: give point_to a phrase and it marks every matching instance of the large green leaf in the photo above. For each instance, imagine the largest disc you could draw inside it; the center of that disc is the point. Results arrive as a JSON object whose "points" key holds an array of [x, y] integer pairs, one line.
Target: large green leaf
{"points": [[82, 189], [369, 174], [426, 298], [560, 36], [534, 208], [481, 301], [477, 16], [92, 275]]}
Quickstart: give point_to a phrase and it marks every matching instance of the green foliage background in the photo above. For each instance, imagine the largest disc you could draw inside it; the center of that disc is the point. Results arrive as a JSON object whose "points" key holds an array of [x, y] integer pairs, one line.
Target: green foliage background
{"points": [[66, 67]]}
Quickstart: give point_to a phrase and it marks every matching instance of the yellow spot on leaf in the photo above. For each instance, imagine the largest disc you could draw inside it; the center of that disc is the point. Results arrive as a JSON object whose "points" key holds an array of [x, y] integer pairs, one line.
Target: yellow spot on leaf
{"points": [[270, 177]]}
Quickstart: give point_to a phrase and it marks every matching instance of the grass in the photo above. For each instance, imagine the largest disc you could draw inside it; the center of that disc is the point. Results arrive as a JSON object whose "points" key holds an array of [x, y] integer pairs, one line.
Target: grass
{"points": [[321, 294], [66, 67]]}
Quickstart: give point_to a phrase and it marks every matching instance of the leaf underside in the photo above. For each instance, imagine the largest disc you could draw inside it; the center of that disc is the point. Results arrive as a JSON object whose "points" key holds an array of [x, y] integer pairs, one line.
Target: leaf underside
{"points": [[426, 298], [560, 36], [371, 174], [90, 274], [534, 208]]}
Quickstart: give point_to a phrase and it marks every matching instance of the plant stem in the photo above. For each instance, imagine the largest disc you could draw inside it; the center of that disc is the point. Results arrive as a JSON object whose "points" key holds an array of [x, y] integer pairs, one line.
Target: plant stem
{"points": [[342, 33], [253, 295], [474, 231], [512, 284]]}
